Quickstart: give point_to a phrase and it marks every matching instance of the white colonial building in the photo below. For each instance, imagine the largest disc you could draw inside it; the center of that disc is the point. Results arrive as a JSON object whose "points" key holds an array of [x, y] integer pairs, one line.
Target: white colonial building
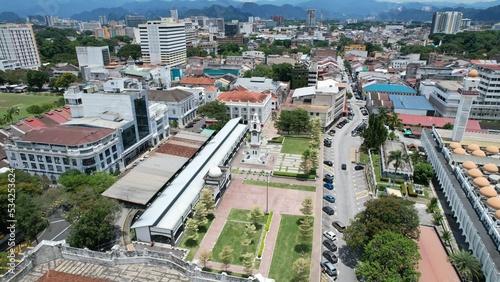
{"points": [[245, 104], [181, 104]]}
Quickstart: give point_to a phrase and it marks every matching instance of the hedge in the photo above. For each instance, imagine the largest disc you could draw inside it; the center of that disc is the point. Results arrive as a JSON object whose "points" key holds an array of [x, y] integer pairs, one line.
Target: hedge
{"points": [[296, 175], [411, 192], [398, 181], [277, 139], [403, 189], [266, 229]]}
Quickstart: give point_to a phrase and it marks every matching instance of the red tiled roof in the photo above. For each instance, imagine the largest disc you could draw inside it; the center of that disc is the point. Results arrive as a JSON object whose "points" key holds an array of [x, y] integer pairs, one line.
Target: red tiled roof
{"points": [[472, 125], [47, 121], [56, 116], [67, 135], [56, 276], [242, 96], [65, 112], [197, 80], [23, 127], [34, 122], [210, 88]]}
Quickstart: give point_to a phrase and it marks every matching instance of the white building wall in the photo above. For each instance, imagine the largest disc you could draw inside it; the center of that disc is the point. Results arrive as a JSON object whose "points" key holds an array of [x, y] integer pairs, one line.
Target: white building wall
{"points": [[91, 56], [17, 42]]}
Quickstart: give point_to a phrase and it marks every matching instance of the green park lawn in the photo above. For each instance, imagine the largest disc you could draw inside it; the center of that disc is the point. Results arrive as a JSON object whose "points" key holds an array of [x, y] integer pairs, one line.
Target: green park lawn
{"points": [[23, 101], [294, 146], [232, 234], [194, 245], [280, 185], [289, 247]]}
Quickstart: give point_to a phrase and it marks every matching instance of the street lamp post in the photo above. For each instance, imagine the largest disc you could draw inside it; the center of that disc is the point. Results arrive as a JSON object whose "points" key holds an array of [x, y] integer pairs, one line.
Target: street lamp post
{"points": [[267, 193]]}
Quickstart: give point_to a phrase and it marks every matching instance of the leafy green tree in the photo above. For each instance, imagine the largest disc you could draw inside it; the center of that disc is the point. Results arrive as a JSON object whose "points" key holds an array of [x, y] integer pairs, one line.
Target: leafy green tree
{"points": [[205, 256], [3, 77], [94, 227], [260, 71], [301, 269], [200, 213], [37, 78], [423, 172], [282, 72], [226, 256], [375, 134], [248, 263], [315, 129], [307, 206], [29, 216], [306, 228], [297, 120], [382, 214], [191, 230], [74, 179], [446, 236], [393, 121], [437, 217], [432, 205], [467, 265], [65, 80], [130, 50], [448, 125], [226, 49], [196, 52], [390, 256], [255, 214], [216, 110], [207, 198]]}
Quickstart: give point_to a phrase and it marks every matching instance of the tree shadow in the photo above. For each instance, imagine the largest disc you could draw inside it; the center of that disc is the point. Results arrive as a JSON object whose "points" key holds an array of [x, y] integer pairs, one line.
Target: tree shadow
{"points": [[302, 248], [202, 228], [349, 256], [191, 243]]}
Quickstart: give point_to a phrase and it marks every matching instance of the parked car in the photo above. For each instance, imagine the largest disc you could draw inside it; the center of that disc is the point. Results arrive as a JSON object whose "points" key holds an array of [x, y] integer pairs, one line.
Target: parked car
{"points": [[330, 256], [330, 245], [328, 186], [330, 235], [344, 166], [331, 132], [359, 167], [328, 180], [329, 176], [328, 210], [339, 226], [329, 198], [328, 163], [329, 268]]}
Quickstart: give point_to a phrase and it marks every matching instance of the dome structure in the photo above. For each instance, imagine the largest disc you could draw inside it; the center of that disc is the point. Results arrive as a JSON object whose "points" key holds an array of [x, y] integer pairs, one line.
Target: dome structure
{"points": [[488, 192], [492, 149], [474, 173], [459, 151], [481, 182], [497, 214], [454, 145], [478, 153], [491, 168], [469, 165], [472, 147], [473, 73], [215, 172], [494, 203]]}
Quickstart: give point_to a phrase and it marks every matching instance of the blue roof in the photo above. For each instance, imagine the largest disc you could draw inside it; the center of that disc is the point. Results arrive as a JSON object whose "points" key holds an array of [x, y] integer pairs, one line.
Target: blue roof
{"points": [[220, 72], [410, 102], [389, 88]]}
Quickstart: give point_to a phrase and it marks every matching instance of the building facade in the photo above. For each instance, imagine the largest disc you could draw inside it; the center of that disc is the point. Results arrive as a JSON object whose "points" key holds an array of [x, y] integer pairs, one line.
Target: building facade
{"points": [[91, 56], [446, 22], [245, 104], [163, 41], [17, 43]]}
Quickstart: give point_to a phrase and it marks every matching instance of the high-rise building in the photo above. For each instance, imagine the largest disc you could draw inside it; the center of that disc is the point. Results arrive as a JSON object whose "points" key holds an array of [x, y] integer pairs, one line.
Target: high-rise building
{"points": [[174, 15], [134, 20], [231, 29], [91, 56], [103, 20], [17, 42], [279, 20], [51, 20], [310, 17], [446, 22], [163, 41]]}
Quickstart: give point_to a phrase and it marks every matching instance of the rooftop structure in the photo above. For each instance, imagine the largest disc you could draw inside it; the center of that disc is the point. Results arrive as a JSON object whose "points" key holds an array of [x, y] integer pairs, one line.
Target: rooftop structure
{"points": [[390, 89], [416, 105]]}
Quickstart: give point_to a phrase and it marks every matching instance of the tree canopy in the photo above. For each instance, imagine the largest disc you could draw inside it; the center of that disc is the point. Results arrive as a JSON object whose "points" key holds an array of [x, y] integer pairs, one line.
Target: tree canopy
{"points": [[37, 78], [390, 256], [130, 50], [382, 214], [216, 110], [296, 121], [376, 133]]}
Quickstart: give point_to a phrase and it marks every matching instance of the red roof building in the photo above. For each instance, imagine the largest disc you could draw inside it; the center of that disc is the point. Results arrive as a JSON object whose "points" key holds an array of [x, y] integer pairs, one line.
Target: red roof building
{"points": [[438, 122], [67, 135], [190, 81]]}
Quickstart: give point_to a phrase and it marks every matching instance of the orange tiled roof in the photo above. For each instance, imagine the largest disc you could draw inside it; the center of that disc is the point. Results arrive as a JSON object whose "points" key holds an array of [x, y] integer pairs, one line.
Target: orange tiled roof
{"points": [[197, 80], [210, 88], [242, 96]]}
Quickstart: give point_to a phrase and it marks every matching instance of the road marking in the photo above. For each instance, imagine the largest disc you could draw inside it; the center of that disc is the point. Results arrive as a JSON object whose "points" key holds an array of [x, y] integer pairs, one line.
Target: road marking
{"points": [[57, 221], [60, 233]]}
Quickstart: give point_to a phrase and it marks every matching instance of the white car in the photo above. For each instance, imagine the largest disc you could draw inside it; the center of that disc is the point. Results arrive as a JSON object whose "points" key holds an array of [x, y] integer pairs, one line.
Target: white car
{"points": [[330, 235]]}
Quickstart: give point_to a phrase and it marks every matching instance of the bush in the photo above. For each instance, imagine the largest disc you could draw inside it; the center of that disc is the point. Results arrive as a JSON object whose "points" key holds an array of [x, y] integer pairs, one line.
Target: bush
{"points": [[411, 192], [381, 187], [277, 139], [308, 136], [268, 225], [403, 189], [296, 175]]}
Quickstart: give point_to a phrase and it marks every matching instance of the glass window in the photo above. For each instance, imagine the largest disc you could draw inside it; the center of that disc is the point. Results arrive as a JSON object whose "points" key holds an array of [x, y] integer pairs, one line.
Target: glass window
{"points": [[50, 167], [23, 157], [31, 157], [39, 158], [33, 166], [42, 166], [107, 152], [48, 159], [59, 168], [57, 160], [66, 161], [115, 156], [25, 164]]}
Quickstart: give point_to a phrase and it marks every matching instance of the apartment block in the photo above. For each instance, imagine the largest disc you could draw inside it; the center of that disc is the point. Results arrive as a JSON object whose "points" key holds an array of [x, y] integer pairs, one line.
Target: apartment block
{"points": [[17, 43]]}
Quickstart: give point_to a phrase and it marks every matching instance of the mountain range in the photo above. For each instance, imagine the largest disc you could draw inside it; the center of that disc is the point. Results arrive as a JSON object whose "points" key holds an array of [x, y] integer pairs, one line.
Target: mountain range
{"points": [[236, 10]]}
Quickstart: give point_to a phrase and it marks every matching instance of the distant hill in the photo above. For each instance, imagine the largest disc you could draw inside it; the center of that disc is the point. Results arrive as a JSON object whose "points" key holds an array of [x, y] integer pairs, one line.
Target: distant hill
{"points": [[9, 17], [217, 11], [404, 14]]}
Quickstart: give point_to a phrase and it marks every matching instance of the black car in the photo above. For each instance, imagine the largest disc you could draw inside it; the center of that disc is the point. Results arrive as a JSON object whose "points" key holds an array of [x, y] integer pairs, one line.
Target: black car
{"points": [[328, 210], [330, 256], [359, 167], [328, 163], [331, 132], [328, 180], [330, 245], [344, 166]]}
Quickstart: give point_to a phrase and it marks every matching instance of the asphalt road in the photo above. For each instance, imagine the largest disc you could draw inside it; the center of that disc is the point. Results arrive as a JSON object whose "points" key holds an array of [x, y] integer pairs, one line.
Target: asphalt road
{"points": [[350, 190]]}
